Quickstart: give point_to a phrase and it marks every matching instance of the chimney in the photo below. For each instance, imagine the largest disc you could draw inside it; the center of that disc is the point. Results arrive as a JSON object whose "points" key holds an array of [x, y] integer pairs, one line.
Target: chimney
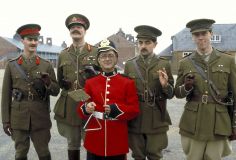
{"points": [[129, 37], [64, 45], [49, 41], [120, 33], [40, 40]]}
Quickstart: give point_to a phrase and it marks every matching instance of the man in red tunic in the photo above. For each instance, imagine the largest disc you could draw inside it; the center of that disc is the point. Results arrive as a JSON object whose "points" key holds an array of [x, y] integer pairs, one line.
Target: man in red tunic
{"points": [[113, 101]]}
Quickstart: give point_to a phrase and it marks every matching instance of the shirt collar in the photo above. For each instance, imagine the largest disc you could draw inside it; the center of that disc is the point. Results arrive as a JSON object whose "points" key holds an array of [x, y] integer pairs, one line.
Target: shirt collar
{"points": [[109, 74]]}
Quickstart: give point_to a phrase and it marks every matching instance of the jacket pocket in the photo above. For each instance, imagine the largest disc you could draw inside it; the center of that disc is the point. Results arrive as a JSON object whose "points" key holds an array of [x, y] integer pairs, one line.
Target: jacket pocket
{"points": [[222, 123], [188, 120], [60, 105], [157, 121], [68, 68], [220, 76]]}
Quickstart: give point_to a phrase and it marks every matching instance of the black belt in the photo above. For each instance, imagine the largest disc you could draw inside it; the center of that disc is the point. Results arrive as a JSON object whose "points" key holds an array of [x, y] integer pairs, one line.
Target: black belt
{"points": [[31, 97]]}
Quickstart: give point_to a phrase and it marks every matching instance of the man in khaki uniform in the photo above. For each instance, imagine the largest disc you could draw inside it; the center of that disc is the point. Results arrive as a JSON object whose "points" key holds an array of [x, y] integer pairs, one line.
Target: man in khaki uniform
{"points": [[154, 83], [205, 124], [28, 81], [72, 62]]}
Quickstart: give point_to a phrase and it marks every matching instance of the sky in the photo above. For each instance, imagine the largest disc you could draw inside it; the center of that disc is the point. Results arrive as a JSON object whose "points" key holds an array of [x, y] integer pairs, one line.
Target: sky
{"points": [[108, 16]]}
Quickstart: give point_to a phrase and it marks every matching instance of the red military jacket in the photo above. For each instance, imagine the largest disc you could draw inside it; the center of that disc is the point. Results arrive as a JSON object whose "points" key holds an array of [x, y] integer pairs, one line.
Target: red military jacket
{"points": [[109, 137]]}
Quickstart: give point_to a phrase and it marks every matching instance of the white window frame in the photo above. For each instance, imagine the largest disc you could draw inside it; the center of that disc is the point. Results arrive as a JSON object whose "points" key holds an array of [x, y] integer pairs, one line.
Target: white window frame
{"points": [[216, 38], [186, 54]]}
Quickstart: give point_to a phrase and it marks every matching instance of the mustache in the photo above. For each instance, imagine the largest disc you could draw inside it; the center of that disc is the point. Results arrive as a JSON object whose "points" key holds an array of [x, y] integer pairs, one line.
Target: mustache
{"points": [[33, 45], [144, 50], [75, 31]]}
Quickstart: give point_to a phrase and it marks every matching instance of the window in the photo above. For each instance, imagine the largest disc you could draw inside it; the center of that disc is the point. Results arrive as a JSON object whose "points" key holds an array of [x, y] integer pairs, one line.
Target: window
{"points": [[186, 54], [216, 39]]}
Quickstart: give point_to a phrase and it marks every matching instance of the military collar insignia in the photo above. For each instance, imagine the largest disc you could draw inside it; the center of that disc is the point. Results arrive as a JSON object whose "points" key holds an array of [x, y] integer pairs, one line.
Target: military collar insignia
{"points": [[20, 60], [89, 47], [37, 60]]}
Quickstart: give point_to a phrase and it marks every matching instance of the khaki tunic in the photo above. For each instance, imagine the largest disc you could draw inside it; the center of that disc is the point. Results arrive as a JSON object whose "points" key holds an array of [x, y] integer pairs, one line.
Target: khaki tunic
{"points": [[65, 108], [27, 114], [149, 121], [206, 121]]}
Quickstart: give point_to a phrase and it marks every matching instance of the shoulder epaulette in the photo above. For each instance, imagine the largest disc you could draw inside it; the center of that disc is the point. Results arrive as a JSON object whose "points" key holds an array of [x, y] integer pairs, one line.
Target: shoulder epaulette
{"points": [[223, 52], [14, 59], [164, 58], [135, 57], [220, 51], [46, 60]]}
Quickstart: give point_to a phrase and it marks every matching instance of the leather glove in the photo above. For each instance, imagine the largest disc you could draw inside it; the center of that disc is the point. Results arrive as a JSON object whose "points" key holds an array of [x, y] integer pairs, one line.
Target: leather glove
{"points": [[189, 81], [66, 84], [7, 128], [233, 135], [46, 79]]}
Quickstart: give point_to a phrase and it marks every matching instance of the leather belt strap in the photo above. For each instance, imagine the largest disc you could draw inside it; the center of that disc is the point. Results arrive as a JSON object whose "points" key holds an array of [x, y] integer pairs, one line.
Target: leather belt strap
{"points": [[141, 98], [31, 97], [203, 98]]}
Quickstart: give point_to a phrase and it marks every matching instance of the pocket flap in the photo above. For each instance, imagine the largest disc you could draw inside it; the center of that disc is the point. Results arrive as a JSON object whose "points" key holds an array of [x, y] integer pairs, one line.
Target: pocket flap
{"points": [[220, 69]]}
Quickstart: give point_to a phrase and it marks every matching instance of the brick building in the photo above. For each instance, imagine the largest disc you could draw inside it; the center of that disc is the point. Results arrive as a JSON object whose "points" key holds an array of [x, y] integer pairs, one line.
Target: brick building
{"points": [[224, 39], [12, 47]]}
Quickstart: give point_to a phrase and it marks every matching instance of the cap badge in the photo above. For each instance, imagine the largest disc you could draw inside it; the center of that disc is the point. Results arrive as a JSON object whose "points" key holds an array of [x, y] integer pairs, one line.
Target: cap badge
{"points": [[104, 43]]}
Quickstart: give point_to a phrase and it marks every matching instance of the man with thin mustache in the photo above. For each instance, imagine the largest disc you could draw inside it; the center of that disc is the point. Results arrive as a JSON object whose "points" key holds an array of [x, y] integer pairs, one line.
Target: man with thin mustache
{"points": [[28, 82], [154, 83], [71, 76]]}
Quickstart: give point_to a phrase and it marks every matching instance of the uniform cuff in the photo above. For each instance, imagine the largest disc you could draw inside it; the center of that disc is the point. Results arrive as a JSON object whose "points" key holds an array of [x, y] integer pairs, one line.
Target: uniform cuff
{"points": [[115, 111], [168, 90], [83, 107]]}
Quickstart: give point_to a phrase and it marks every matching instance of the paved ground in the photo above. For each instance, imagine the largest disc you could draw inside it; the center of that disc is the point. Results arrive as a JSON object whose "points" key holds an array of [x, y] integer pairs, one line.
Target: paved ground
{"points": [[58, 144]]}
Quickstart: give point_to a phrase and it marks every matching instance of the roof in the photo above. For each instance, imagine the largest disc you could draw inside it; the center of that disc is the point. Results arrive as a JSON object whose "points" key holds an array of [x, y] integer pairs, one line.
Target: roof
{"points": [[182, 41], [167, 52], [41, 47]]}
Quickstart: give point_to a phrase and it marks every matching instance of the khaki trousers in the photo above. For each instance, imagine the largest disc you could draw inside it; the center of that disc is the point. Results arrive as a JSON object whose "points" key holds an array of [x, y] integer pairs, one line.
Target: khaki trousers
{"points": [[40, 139], [205, 150], [71, 133], [147, 145]]}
